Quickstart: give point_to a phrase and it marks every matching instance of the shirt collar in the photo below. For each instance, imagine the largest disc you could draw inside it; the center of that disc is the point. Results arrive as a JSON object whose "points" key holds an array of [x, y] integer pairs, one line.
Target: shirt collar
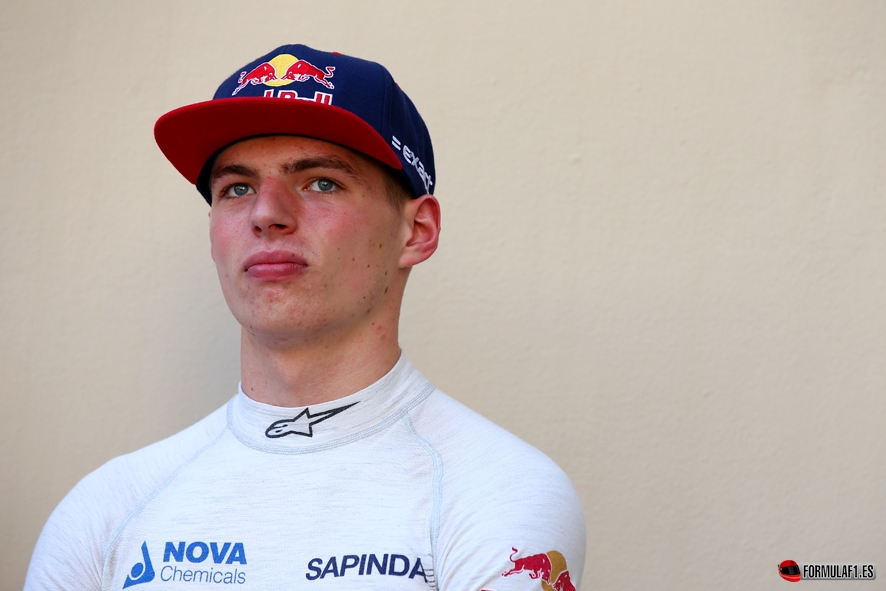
{"points": [[310, 428]]}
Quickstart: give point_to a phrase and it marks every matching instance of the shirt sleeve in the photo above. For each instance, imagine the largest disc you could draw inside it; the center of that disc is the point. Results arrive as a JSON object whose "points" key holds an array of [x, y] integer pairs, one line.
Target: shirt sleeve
{"points": [[515, 526], [68, 552]]}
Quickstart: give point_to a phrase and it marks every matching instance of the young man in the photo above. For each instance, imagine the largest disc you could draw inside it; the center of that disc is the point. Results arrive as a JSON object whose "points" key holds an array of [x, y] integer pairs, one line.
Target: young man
{"points": [[337, 465]]}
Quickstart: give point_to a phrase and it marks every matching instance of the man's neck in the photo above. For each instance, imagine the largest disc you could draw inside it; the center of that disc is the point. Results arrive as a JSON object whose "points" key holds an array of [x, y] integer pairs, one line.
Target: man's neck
{"points": [[304, 375]]}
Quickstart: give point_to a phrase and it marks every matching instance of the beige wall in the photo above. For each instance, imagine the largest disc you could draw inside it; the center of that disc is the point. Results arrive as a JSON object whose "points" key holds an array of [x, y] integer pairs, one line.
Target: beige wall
{"points": [[662, 259]]}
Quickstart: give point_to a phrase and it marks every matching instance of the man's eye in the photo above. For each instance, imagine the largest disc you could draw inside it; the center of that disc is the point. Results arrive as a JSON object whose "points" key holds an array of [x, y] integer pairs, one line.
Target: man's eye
{"points": [[237, 190], [323, 185]]}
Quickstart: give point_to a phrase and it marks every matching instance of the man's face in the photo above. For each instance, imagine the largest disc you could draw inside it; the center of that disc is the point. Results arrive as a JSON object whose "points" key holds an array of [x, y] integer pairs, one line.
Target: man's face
{"points": [[304, 237]]}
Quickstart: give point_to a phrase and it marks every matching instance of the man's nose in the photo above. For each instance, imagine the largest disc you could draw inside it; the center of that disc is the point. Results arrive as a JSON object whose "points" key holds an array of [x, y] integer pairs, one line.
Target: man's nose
{"points": [[274, 208]]}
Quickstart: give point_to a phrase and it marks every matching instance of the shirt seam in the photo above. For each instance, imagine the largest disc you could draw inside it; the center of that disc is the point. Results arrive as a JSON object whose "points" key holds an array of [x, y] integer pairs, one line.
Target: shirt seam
{"points": [[132, 514], [436, 492]]}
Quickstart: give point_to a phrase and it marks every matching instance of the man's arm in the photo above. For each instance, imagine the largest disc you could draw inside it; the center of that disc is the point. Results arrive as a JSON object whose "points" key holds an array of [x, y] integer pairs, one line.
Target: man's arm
{"points": [[529, 536], [509, 516], [68, 553]]}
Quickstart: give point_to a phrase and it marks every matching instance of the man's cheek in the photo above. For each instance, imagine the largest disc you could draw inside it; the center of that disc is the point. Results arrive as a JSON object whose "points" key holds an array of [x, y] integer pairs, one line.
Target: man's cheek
{"points": [[221, 240]]}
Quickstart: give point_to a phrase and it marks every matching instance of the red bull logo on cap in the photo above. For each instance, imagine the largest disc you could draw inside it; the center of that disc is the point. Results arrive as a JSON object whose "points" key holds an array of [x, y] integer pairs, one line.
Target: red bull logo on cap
{"points": [[550, 567], [284, 69]]}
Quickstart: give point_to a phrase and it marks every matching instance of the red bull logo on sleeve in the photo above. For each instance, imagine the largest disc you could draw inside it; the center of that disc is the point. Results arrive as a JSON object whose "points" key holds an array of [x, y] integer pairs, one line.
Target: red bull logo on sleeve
{"points": [[550, 567], [284, 69]]}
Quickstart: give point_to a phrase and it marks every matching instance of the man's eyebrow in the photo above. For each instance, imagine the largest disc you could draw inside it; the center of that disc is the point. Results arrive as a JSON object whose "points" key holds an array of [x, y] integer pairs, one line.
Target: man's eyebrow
{"points": [[227, 169], [291, 167], [319, 162]]}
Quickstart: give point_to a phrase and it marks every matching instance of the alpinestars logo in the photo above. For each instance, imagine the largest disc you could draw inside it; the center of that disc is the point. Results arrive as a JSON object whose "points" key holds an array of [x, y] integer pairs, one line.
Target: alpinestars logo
{"points": [[303, 423], [142, 572]]}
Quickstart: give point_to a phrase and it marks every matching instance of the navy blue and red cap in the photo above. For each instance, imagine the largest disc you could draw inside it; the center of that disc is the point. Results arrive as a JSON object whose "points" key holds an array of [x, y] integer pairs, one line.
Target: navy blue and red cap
{"points": [[296, 90]]}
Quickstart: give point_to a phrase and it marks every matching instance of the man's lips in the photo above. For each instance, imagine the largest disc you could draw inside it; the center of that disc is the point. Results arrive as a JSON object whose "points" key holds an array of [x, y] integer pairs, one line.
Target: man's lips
{"points": [[274, 265]]}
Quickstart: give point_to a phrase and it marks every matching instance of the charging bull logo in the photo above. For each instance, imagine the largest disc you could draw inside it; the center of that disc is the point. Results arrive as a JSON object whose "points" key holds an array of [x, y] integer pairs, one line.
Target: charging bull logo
{"points": [[284, 69], [549, 567]]}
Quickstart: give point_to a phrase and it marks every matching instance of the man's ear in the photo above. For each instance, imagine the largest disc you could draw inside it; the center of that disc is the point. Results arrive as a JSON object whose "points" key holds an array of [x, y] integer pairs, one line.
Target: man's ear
{"points": [[422, 225]]}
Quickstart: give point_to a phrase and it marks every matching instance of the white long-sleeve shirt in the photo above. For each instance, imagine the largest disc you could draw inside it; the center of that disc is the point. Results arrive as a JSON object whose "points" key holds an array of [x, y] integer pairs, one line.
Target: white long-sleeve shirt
{"points": [[395, 487]]}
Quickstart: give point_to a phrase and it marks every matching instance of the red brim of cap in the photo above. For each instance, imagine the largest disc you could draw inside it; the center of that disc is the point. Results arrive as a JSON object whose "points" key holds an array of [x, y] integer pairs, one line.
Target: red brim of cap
{"points": [[190, 135]]}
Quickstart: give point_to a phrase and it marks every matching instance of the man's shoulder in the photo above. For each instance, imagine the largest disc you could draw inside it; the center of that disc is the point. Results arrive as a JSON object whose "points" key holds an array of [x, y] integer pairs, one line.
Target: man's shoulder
{"points": [[499, 494], [149, 466], [87, 519], [468, 441], [485, 465]]}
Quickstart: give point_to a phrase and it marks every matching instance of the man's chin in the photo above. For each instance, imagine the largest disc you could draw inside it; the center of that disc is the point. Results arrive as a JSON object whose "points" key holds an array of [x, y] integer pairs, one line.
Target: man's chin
{"points": [[287, 332]]}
